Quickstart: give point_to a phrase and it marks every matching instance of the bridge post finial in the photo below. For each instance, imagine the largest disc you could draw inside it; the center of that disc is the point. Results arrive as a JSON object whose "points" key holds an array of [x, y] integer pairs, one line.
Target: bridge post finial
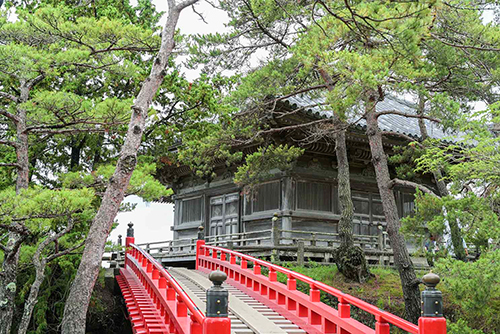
{"points": [[217, 320], [201, 233], [130, 235], [130, 230], [432, 320], [217, 296]]}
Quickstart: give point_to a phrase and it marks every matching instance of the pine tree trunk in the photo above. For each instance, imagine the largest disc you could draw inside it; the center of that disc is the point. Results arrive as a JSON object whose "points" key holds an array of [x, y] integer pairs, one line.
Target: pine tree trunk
{"points": [[30, 302], [8, 276], [350, 259], [23, 163], [77, 145], [8, 284], [344, 189], [402, 260], [81, 290]]}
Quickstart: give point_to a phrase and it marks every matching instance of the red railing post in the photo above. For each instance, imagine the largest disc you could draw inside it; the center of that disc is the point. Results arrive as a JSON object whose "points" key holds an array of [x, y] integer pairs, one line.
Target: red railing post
{"points": [[273, 276], [344, 308], [217, 320], [381, 326], [156, 274], [314, 294], [181, 308], [195, 327], [432, 320], [170, 292], [291, 283]]}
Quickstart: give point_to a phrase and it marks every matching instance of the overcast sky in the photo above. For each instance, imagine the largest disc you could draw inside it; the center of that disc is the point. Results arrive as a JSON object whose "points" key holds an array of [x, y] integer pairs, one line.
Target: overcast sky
{"points": [[152, 221]]}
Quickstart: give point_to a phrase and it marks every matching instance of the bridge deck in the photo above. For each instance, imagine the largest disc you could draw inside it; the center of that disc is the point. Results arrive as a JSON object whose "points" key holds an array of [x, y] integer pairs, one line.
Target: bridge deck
{"points": [[247, 314], [172, 301]]}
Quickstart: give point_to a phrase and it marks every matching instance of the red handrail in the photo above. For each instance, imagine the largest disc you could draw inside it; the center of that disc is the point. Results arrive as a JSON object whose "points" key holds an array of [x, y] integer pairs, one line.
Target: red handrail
{"points": [[381, 316], [194, 310]]}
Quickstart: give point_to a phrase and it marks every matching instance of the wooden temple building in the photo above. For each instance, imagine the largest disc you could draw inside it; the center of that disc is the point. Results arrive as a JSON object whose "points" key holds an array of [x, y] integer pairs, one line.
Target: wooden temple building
{"points": [[303, 200]]}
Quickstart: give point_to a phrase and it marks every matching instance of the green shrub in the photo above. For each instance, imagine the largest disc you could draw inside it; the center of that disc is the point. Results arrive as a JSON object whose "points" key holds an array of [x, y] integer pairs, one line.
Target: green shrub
{"points": [[475, 288], [460, 327]]}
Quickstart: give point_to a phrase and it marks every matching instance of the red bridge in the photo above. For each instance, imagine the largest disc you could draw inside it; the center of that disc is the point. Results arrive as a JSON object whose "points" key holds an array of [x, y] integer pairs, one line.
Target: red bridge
{"points": [[252, 300]]}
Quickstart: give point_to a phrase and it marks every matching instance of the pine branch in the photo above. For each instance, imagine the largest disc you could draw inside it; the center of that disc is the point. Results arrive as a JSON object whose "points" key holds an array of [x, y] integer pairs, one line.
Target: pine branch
{"points": [[9, 115], [8, 143], [65, 252], [42, 128], [400, 113], [4, 249], [33, 82], [47, 216], [184, 4], [3, 164], [411, 184], [51, 239], [9, 96], [67, 131], [462, 46]]}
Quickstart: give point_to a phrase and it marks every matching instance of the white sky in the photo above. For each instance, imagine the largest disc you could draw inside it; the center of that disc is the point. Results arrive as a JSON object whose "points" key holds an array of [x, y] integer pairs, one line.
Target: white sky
{"points": [[152, 221]]}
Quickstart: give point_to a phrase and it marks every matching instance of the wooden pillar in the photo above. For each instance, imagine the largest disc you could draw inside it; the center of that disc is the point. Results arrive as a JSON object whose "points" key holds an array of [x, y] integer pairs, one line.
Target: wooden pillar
{"points": [[300, 253], [287, 207], [177, 212]]}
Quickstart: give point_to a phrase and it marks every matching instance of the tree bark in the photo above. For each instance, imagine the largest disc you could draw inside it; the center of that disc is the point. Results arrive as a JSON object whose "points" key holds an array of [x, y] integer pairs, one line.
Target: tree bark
{"points": [[76, 149], [30, 302], [350, 260], [97, 154], [81, 290], [8, 281], [456, 233], [344, 189], [402, 258], [22, 180], [40, 265]]}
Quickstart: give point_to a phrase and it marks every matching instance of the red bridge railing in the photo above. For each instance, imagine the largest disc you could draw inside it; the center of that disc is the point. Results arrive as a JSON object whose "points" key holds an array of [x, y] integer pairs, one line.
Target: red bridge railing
{"points": [[181, 315], [306, 311]]}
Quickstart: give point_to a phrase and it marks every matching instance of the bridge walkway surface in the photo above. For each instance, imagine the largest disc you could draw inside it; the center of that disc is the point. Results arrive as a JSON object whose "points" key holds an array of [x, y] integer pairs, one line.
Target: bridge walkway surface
{"points": [[242, 295], [247, 314]]}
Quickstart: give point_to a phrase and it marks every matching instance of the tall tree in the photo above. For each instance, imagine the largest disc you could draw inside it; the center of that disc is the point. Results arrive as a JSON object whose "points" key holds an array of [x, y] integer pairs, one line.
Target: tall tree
{"points": [[371, 49], [78, 300], [386, 47], [35, 96], [274, 29]]}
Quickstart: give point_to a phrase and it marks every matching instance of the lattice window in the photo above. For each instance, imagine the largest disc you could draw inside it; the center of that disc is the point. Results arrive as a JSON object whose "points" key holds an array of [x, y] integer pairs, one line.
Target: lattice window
{"points": [[264, 197], [314, 196], [191, 210]]}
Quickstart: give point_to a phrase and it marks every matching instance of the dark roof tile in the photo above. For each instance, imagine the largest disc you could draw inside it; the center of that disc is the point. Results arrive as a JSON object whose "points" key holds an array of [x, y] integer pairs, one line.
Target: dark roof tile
{"points": [[396, 123]]}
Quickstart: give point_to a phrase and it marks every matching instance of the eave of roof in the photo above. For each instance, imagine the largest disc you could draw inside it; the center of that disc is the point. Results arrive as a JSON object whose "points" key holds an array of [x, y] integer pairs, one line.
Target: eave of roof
{"points": [[390, 122]]}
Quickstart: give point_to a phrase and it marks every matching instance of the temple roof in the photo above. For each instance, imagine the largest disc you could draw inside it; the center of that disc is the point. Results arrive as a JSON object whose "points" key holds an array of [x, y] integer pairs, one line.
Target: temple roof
{"points": [[396, 123]]}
